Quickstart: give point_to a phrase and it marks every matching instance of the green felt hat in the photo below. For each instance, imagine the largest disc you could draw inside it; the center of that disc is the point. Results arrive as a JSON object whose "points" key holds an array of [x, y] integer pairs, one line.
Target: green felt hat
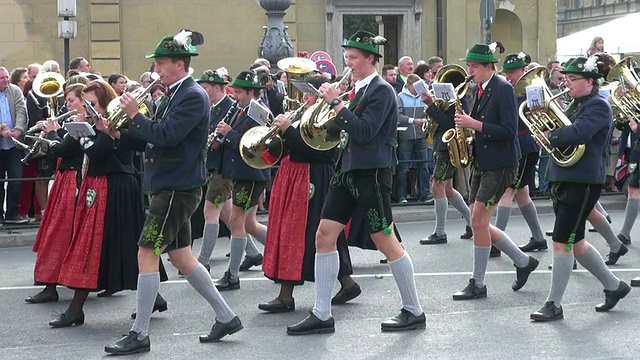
{"points": [[515, 61], [583, 66], [179, 45], [247, 79], [481, 53], [365, 41], [212, 76]]}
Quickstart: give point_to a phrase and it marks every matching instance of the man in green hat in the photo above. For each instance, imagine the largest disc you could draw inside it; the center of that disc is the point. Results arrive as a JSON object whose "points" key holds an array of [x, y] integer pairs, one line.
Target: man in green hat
{"points": [[218, 196], [362, 182], [494, 119], [174, 142], [514, 67], [576, 189], [248, 183]]}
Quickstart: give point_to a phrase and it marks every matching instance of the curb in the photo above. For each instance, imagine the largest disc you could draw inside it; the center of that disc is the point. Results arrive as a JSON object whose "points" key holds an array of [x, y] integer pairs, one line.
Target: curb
{"points": [[401, 214]]}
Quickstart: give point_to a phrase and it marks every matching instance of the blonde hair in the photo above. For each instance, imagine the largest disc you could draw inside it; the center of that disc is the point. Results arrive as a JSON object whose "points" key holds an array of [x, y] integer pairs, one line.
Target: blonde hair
{"points": [[592, 49], [412, 78]]}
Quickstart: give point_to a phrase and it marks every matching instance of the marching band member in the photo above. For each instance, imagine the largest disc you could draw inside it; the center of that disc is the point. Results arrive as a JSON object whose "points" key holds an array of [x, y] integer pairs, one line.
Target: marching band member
{"points": [[300, 186], [108, 218], [514, 67], [495, 121], [443, 173], [362, 180], [633, 200], [56, 229], [218, 196], [248, 183], [174, 143], [578, 188]]}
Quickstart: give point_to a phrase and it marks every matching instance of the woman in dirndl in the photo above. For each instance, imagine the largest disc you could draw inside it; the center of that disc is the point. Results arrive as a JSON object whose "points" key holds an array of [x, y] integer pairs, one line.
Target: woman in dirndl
{"points": [[56, 228], [295, 205], [108, 218]]}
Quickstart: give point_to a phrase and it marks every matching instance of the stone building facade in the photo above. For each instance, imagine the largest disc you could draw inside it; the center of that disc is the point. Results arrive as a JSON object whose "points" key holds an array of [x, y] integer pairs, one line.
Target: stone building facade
{"points": [[114, 35], [576, 15]]}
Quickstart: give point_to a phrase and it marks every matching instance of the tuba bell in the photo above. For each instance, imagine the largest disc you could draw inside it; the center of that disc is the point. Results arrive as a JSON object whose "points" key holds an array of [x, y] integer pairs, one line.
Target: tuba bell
{"points": [[49, 85], [297, 68], [117, 118], [459, 141], [625, 94], [549, 116]]}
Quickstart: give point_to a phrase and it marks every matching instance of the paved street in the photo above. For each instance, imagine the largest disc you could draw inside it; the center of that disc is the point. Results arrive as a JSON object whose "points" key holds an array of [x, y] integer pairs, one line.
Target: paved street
{"points": [[497, 327]]}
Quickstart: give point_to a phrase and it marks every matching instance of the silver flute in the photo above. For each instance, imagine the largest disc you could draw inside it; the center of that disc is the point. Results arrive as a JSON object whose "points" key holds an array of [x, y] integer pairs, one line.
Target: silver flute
{"points": [[38, 126]]}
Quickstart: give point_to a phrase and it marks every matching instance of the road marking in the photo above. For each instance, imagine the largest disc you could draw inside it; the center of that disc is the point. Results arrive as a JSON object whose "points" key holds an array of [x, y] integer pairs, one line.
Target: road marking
{"points": [[364, 276]]}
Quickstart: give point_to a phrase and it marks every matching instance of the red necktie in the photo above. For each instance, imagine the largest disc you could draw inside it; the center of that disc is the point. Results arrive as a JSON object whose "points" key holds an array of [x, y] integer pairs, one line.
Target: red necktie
{"points": [[352, 94], [480, 91]]}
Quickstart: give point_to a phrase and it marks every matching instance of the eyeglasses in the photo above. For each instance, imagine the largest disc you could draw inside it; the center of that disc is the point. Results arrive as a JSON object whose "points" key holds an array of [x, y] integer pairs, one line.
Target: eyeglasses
{"points": [[574, 78]]}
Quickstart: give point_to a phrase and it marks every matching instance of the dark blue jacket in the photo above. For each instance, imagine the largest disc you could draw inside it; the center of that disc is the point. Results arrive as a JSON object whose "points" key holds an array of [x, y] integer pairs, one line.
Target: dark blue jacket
{"points": [[528, 144], [372, 128], [592, 126], [233, 167], [218, 112], [399, 85], [175, 144], [497, 146]]}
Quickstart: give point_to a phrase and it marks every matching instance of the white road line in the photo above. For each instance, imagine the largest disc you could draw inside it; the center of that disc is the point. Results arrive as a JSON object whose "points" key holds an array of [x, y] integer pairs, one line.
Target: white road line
{"points": [[364, 276]]}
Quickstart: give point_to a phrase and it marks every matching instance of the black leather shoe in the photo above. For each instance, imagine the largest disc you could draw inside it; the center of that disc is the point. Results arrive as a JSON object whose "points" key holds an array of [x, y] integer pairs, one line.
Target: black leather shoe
{"points": [[105, 294], [384, 261], [534, 245], [66, 320], [312, 325], [468, 233], [160, 305], [635, 281], [591, 229], [250, 261], [220, 330], [405, 321], [346, 294], [41, 298], [228, 282], [623, 239], [522, 274], [611, 298], [277, 305], [471, 291], [434, 239], [575, 265], [548, 312], [549, 233], [129, 344], [495, 252], [613, 257]]}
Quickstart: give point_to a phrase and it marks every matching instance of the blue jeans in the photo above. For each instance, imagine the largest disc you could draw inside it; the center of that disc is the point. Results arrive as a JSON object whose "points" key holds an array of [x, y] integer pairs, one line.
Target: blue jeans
{"points": [[415, 149], [543, 163], [11, 168]]}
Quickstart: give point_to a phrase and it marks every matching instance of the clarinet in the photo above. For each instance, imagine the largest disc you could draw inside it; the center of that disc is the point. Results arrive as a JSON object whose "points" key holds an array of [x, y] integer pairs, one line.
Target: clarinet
{"points": [[214, 135]]}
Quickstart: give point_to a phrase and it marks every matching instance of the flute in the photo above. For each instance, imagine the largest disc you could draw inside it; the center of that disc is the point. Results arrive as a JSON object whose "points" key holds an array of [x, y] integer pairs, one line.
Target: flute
{"points": [[38, 126]]}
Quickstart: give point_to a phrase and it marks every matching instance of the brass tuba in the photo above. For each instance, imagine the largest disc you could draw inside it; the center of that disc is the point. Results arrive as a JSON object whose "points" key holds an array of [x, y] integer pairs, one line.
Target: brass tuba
{"points": [[625, 91], [49, 85], [459, 141], [114, 114], [316, 126], [546, 118], [297, 68]]}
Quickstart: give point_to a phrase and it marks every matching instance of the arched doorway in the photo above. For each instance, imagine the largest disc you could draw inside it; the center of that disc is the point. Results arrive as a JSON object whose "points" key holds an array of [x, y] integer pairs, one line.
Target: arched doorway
{"points": [[507, 29]]}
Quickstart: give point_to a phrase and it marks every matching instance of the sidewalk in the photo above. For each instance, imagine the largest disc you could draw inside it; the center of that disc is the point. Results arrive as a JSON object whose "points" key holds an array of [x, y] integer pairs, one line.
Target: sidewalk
{"points": [[16, 237]]}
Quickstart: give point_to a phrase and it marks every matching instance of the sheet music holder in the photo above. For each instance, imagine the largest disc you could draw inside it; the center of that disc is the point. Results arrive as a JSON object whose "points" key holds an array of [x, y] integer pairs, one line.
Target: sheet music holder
{"points": [[79, 129], [305, 87], [444, 91], [420, 86], [258, 112], [535, 97]]}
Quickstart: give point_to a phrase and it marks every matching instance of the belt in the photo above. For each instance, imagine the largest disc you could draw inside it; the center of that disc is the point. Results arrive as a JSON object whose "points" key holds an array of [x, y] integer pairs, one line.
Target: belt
{"points": [[523, 132]]}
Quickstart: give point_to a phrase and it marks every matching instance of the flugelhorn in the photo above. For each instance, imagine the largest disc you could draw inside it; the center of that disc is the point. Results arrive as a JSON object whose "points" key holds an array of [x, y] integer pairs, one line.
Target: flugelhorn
{"points": [[38, 126], [114, 114]]}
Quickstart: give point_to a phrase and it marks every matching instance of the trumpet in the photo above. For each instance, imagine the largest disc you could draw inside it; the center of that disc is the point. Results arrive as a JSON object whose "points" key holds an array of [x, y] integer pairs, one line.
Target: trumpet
{"points": [[114, 114], [38, 126]]}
